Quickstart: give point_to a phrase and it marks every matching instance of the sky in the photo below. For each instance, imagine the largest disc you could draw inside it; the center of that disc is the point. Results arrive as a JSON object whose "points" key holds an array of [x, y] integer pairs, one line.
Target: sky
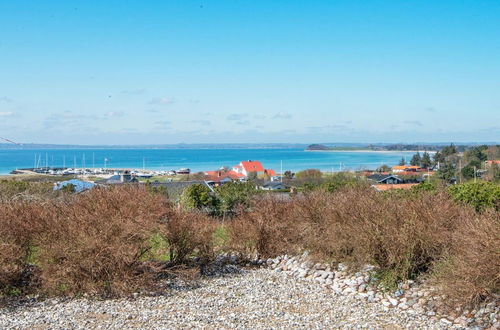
{"points": [[182, 71]]}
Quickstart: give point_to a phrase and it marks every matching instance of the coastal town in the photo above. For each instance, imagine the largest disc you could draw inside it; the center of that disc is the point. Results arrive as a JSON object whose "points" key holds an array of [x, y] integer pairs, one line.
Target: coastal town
{"points": [[406, 175]]}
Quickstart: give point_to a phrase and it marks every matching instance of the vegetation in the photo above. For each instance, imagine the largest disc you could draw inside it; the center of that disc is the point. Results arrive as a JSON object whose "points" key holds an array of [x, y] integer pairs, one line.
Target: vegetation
{"points": [[481, 195], [118, 240], [197, 196]]}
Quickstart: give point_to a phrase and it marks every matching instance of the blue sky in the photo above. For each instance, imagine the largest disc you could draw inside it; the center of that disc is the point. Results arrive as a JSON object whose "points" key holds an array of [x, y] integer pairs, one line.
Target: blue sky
{"points": [[147, 72]]}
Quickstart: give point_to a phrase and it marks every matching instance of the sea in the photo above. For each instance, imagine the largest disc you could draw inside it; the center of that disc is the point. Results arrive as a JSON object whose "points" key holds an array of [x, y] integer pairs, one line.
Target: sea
{"points": [[293, 159]]}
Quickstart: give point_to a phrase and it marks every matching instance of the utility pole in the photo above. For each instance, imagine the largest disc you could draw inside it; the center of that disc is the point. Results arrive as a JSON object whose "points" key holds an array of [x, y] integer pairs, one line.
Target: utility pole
{"points": [[459, 171], [281, 171], [475, 171]]}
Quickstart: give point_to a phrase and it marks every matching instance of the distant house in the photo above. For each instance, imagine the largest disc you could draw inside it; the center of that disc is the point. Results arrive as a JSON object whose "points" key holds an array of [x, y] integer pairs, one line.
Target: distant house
{"points": [[78, 185], [385, 179], [406, 168], [125, 177], [222, 176], [489, 163], [246, 167], [273, 185], [270, 172]]}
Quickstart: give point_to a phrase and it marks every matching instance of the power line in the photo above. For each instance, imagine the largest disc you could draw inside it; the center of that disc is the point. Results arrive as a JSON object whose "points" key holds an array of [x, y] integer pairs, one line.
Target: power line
{"points": [[10, 141]]}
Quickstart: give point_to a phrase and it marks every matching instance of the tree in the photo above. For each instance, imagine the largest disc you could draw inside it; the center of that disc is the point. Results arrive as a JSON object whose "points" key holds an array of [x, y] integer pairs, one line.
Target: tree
{"points": [[469, 170], [449, 150], [480, 194], [196, 196], [233, 194], [477, 153], [288, 175], [402, 162], [309, 174], [416, 159], [252, 176], [439, 158], [446, 172], [426, 160], [383, 168]]}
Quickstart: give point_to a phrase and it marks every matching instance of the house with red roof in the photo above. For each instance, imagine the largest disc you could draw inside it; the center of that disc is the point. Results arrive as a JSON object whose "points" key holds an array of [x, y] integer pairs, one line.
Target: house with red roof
{"points": [[246, 167]]}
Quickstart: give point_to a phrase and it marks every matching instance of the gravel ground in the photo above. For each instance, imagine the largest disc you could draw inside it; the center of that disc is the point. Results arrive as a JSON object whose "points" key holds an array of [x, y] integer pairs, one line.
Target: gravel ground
{"points": [[257, 298]]}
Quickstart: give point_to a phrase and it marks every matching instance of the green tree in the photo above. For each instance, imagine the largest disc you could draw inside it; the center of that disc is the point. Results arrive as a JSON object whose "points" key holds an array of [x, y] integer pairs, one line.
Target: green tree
{"points": [[446, 172], [196, 196], [233, 194], [449, 150], [69, 188], [402, 161], [480, 195], [477, 153], [468, 171], [383, 168], [416, 159], [252, 176], [288, 175], [426, 160], [439, 158]]}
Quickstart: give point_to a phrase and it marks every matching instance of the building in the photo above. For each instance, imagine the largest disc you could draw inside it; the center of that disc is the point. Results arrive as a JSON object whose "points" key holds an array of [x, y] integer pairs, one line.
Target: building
{"points": [[78, 185], [246, 167], [406, 168], [385, 179], [122, 178], [273, 185]]}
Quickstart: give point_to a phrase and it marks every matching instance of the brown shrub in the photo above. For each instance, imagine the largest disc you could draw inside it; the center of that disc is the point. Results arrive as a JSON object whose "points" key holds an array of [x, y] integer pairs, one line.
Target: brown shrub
{"points": [[470, 273], [403, 234], [91, 243], [266, 229], [188, 234]]}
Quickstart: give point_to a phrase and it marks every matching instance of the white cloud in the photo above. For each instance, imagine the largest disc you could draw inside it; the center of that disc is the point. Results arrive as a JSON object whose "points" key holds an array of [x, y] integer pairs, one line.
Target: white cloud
{"points": [[236, 116], [6, 114], [282, 115], [114, 114], [162, 101]]}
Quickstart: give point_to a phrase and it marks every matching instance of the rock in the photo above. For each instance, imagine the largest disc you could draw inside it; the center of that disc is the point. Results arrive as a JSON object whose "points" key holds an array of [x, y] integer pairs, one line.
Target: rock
{"points": [[445, 321], [394, 302]]}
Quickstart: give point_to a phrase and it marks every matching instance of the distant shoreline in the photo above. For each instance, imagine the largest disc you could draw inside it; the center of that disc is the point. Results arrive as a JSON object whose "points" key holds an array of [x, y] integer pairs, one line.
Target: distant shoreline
{"points": [[369, 150]]}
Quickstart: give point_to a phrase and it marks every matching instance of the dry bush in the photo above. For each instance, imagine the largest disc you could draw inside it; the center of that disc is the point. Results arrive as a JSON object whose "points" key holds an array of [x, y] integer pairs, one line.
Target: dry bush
{"points": [[12, 189], [266, 229], [16, 242], [471, 271], [94, 243], [90, 243], [188, 234], [403, 234]]}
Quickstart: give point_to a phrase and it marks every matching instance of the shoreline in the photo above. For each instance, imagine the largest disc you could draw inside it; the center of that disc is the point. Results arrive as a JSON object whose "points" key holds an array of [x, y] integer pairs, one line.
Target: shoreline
{"points": [[369, 150]]}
